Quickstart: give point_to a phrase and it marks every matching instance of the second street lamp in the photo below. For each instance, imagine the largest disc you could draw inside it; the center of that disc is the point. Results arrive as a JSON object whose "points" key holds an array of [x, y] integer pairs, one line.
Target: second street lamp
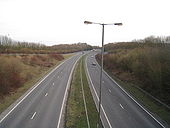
{"points": [[102, 51]]}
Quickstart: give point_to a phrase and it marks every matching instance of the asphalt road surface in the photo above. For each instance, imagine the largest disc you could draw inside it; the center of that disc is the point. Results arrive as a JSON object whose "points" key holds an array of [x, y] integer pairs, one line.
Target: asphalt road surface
{"points": [[119, 109], [42, 106]]}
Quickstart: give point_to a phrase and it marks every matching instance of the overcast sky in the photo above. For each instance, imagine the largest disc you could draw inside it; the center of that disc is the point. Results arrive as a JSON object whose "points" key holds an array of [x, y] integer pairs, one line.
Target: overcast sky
{"points": [[61, 21]]}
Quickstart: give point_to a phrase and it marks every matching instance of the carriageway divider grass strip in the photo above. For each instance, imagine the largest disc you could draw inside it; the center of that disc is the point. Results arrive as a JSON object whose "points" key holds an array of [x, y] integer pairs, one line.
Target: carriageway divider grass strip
{"points": [[84, 99], [76, 114]]}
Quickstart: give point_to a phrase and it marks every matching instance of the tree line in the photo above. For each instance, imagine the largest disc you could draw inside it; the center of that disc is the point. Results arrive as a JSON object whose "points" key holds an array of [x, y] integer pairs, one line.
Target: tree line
{"points": [[8, 45]]}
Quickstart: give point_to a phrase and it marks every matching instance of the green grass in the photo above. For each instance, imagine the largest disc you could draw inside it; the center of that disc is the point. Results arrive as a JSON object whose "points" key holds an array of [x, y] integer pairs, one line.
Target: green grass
{"points": [[75, 112], [39, 73], [143, 99], [68, 55]]}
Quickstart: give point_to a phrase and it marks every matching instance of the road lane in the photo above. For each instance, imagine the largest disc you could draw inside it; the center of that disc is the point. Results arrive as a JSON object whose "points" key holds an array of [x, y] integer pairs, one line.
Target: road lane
{"points": [[119, 110], [37, 110]]}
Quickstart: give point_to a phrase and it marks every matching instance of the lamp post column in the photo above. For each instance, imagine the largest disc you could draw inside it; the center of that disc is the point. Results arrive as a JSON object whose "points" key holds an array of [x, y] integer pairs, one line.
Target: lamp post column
{"points": [[101, 73]]}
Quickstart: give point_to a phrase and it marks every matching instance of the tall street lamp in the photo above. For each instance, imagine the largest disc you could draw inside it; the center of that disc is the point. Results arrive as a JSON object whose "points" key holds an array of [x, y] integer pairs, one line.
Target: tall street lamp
{"points": [[102, 51]]}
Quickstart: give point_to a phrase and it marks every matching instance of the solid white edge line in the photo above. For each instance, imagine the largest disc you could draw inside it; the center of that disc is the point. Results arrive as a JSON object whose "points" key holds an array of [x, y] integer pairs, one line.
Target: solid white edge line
{"points": [[33, 115], [34, 87], [97, 97], [66, 91], [132, 98]]}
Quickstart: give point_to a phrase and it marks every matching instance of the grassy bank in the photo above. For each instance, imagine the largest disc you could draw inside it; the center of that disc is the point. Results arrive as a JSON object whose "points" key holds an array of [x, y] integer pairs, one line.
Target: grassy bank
{"points": [[75, 113], [29, 74]]}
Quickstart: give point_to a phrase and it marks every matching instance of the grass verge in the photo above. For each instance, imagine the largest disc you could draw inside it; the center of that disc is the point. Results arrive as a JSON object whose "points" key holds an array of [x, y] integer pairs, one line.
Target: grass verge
{"points": [[75, 111], [40, 73], [68, 55]]}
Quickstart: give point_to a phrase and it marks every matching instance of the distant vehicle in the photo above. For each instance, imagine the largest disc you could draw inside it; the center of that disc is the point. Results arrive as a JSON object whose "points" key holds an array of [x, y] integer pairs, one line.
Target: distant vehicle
{"points": [[94, 64]]}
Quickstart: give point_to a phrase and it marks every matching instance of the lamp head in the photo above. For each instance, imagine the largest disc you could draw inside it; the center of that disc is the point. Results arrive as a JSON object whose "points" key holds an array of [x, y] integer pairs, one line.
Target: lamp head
{"points": [[87, 22], [119, 24]]}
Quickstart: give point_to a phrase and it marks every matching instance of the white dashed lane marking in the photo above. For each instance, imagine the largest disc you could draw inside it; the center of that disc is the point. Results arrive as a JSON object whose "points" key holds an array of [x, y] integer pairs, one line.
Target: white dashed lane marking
{"points": [[46, 94], [33, 115], [121, 106]]}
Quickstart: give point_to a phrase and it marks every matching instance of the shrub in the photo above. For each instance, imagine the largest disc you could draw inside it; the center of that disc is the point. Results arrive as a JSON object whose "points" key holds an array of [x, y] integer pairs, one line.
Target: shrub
{"points": [[40, 60], [58, 57], [35, 61], [41, 57], [9, 74], [25, 59]]}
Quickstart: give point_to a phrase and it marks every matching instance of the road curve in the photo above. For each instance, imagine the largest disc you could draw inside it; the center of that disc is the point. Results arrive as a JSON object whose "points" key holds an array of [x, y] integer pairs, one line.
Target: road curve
{"points": [[119, 109], [42, 105]]}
